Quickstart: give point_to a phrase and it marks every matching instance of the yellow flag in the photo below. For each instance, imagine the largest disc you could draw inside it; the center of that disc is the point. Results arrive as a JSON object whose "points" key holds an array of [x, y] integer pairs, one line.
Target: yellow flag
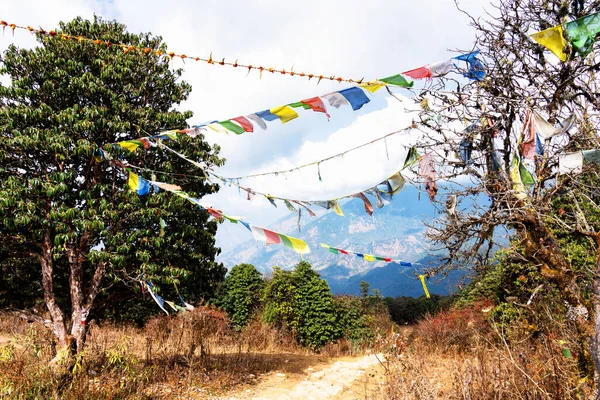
{"points": [[422, 278], [284, 113], [515, 177], [369, 257], [133, 181], [554, 40], [299, 246], [337, 208], [218, 128], [129, 146], [371, 87]]}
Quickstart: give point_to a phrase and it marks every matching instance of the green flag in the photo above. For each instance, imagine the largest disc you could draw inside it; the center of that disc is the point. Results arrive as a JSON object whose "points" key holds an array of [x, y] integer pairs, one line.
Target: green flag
{"points": [[230, 126], [582, 33], [397, 80]]}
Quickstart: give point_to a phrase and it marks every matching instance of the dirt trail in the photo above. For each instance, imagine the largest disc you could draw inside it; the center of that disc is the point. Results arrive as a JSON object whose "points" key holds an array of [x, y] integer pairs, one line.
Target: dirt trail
{"points": [[347, 378]]}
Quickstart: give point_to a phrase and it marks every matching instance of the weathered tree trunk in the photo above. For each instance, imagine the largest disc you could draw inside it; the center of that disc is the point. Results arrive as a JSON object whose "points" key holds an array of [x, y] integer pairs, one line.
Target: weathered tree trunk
{"points": [[59, 327], [594, 338]]}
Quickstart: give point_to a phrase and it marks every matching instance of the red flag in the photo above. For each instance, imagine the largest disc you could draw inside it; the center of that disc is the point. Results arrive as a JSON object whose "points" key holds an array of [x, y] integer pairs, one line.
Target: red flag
{"points": [[418, 73], [272, 237], [247, 125], [316, 104]]}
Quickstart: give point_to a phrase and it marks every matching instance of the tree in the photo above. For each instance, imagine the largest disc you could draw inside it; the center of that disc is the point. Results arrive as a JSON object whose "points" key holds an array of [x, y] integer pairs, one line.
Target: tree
{"points": [[242, 293], [522, 77], [364, 288], [302, 302], [71, 215]]}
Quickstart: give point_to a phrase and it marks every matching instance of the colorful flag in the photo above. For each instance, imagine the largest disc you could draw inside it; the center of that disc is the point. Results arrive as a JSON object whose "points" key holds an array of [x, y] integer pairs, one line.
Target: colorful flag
{"points": [[132, 145], [284, 113], [554, 40], [397, 80], [367, 203], [335, 99], [582, 33], [316, 104], [337, 208], [235, 128], [475, 68], [258, 121], [371, 87], [356, 97], [422, 278], [218, 128], [297, 245], [139, 184], [267, 115], [244, 123], [418, 73], [515, 177], [265, 235]]}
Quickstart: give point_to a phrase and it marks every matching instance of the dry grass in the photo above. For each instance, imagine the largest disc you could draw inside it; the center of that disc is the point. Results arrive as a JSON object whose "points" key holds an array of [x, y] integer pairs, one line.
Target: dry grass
{"points": [[194, 355], [457, 355]]}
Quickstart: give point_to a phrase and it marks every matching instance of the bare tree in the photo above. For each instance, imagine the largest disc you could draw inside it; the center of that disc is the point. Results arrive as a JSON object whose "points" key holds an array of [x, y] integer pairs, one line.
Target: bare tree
{"points": [[481, 131]]}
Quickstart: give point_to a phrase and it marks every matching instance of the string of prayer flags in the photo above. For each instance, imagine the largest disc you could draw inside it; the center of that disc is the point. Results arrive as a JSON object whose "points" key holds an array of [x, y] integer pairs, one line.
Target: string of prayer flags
{"points": [[577, 36], [366, 257], [261, 234], [422, 278], [444, 67]]}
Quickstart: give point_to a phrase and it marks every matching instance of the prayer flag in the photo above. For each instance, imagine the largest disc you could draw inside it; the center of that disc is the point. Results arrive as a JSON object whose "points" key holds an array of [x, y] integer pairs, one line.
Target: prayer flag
{"points": [[297, 245], [554, 40], [476, 69], [337, 208], [335, 99], [411, 157], [258, 121], [235, 128], [582, 33], [265, 235], [441, 68], [367, 203], [316, 104], [355, 96], [137, 183], [267, 115], [397, 80], [159, 300], [369, 257], [526, 176], [422, 278], [515, 177], [371, 87], [570, 163], [132, 145], [418, 73], [244, 123], [284, 113], [218, 128]]}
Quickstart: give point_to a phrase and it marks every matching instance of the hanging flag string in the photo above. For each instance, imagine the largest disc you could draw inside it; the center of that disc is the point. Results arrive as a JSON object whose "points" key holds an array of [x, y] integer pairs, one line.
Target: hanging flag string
{"points": [[143, 187], [367, 257], [171, 55]]}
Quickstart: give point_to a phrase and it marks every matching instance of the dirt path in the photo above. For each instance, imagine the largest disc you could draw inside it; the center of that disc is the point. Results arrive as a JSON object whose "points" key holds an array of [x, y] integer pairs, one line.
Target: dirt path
{"points": [[347, 378]]}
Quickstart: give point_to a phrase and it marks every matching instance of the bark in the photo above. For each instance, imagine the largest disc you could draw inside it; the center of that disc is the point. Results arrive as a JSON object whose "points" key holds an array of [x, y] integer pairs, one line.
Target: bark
{"points": [[58, 319], [594, 338]]}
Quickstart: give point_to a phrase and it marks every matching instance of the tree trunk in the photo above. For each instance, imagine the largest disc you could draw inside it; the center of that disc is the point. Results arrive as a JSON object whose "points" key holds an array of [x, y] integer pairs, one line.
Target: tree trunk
{"points": [[594, 338], [59, 327]]}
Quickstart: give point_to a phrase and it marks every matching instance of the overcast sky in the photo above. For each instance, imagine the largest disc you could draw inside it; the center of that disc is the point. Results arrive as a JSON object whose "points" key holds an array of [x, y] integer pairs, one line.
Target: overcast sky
{"points": [[349, 38]]}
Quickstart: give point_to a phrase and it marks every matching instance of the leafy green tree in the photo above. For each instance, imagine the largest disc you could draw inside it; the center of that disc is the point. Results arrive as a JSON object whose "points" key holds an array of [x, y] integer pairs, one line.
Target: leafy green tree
{"points": [[302, 302], [72, 216], [242, 293], [364, 288]]}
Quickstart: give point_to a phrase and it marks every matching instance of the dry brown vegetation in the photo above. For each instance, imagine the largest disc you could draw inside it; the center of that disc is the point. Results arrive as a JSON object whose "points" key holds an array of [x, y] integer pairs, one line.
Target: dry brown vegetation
{"points": [[461, 354], [192, 355]]}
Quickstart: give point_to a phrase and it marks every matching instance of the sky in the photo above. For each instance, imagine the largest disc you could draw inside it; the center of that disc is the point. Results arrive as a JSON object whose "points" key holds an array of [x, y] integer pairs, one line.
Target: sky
{"points": [[349, 38]]}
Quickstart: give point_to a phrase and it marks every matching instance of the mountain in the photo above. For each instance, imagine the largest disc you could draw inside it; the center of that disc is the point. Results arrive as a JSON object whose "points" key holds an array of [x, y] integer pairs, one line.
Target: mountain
{"points": [[392, 280]]}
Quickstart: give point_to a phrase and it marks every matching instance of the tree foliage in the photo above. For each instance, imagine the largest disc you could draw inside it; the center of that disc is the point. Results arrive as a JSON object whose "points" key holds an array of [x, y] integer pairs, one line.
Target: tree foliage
{"points": [[72, 216], [242, 293], [301, 302]]}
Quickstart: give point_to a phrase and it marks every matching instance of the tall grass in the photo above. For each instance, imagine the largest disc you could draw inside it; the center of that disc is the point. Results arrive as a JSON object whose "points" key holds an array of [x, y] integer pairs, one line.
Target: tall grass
{"points": [[458, 354]]}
